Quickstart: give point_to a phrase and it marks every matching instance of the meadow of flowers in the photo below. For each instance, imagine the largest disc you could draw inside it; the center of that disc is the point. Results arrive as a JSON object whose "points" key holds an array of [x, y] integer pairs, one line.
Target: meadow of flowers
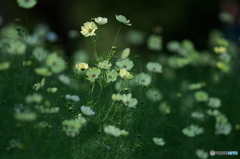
{"points": [[113, 103]]}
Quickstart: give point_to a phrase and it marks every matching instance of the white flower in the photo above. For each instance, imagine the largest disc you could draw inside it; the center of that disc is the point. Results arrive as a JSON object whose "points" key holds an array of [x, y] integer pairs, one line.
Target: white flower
{"points": [[73, 98], [125, 74], [40, 53], [88, 29], [27, 3], [154, 42], [192, 130], [214, 102], [201, 96], [101, 20], [201, 154], [104, 64], [116, 97], [87, 110], [129, 101], [143, 79], [111, 75], [93, 74], [158, 141], [123, 19], [116, 132], [154, 67], [125, 53], [125, 64]]}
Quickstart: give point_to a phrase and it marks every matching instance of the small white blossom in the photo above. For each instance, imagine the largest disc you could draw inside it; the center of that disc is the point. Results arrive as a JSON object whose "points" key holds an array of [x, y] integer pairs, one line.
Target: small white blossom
{"points": [[87, 110], [73, 98], [101, 20]]}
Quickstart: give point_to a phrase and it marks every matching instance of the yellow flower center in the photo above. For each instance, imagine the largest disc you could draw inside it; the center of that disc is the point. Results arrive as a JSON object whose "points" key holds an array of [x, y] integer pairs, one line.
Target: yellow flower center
{"points": [[26, 0], [124, 66], [127, 102], [94, 75], [90, 30], [143, 80], [109, 76]]}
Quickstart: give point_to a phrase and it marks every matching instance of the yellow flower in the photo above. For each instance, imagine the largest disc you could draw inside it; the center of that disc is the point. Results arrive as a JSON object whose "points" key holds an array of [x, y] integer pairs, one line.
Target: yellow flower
{"points": [[88, 29], [81, 66], [125, 74]]}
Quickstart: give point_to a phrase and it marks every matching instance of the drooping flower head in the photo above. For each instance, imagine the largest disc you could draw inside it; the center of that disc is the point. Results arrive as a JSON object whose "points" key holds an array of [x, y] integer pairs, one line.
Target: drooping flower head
{"points": [[88, 29], [123, 19]]}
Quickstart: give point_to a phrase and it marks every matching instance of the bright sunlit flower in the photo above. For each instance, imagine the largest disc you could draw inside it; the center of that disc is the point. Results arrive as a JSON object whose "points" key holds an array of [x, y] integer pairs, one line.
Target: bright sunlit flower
{"points": [[122, 19], [159, 141], [27, 3], [93, 74], [88, 29], [81, 66], [129, 101], [104, 65], [55, 63], [143, 79], [125, 64], [101, 20], [87, 110], [154, 67], [125, 74]]}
